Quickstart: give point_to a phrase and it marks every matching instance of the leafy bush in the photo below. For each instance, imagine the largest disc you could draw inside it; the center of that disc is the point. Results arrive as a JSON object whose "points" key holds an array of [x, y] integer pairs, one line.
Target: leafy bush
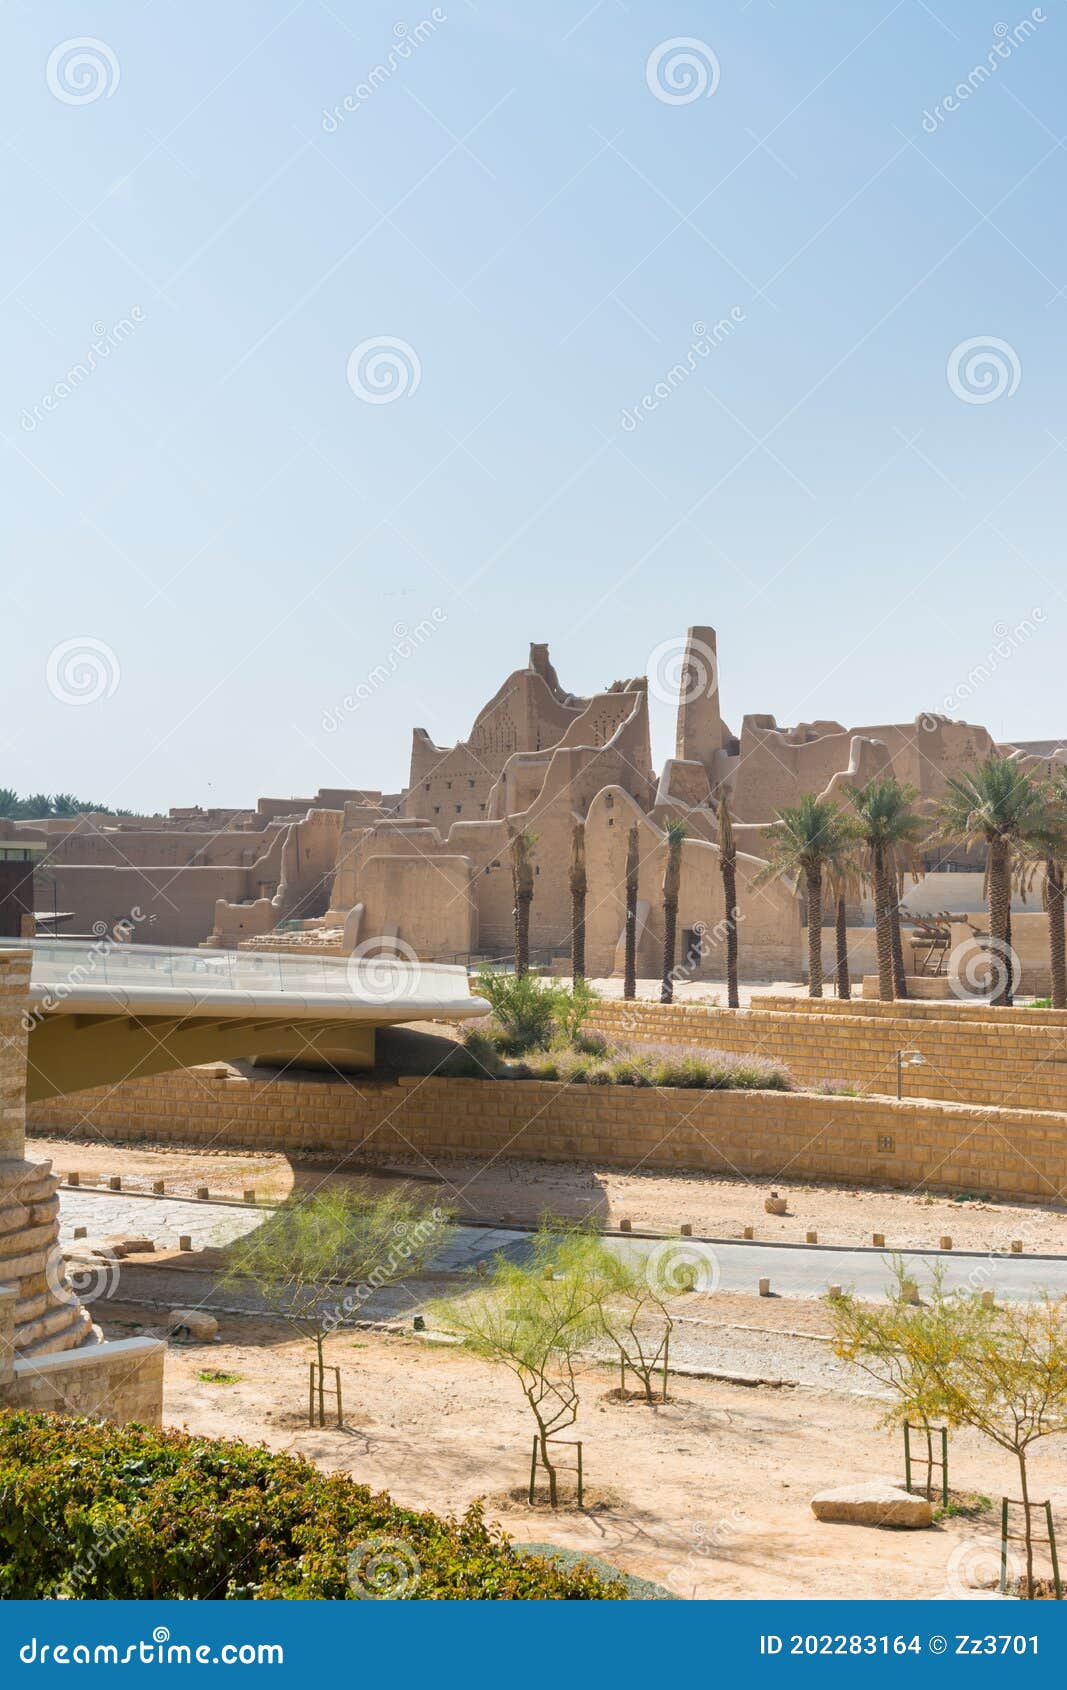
{"points": [[92, 1510], [528, 1013], [838, 1088]]}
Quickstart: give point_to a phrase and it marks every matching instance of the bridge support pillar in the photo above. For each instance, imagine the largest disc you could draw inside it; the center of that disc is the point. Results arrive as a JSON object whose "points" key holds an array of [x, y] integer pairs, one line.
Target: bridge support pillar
{"points": [[45, 1315]]}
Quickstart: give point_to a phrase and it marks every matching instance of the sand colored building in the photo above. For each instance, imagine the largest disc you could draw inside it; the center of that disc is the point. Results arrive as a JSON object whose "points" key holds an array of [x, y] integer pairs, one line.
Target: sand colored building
{"points": [[425, 869]]}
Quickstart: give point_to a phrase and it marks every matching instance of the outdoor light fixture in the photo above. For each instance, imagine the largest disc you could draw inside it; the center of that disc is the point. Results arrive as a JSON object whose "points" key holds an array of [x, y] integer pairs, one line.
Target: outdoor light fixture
{"points": [[910, 1059]]}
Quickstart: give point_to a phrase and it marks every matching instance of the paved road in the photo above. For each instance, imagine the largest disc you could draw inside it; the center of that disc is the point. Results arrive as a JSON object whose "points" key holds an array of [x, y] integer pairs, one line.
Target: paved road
{"points": [[793, 1270]]}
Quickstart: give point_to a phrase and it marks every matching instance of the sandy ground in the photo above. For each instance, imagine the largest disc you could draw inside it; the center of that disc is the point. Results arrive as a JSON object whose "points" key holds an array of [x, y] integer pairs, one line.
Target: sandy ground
{"points": [[659, 1202], [708, 1495]]}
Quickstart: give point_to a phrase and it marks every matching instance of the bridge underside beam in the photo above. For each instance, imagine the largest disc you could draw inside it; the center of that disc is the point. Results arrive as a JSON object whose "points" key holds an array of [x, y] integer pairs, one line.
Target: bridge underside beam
{"points": [[69, 1053]]}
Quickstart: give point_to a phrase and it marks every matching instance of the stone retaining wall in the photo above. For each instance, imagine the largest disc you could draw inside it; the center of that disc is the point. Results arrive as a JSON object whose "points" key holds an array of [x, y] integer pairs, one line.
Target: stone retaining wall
{"points": [[120, 1381], [1009, 1062], [771, 1135]]}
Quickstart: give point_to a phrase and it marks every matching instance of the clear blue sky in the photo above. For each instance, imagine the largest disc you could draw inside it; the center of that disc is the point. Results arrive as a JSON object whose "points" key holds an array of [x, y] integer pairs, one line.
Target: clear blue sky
{"points": [[220, 510]]}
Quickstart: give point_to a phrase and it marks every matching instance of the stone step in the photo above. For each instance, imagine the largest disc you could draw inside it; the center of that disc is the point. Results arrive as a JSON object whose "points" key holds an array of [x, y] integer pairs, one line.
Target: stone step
{"points": [[19, 1244], [20, 1268], [27, 1192], [14, 1216], [29, 1307], [54, 1320], [78, 1330]]}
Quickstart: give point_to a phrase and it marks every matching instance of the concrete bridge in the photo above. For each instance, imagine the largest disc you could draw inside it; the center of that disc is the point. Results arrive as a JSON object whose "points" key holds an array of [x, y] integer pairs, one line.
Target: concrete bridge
{"points": [[103, 1012]]}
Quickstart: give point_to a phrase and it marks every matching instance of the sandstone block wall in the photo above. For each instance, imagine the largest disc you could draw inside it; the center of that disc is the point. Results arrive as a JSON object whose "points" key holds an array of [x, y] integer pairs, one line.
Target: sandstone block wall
{"points": [[969, 1057], [46, 1315], [121, 1381], [14, 985], [770, 1135]]}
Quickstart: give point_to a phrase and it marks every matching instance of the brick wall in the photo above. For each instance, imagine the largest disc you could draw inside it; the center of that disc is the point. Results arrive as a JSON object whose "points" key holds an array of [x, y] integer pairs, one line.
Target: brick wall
{"points": [[1011, 1058], [770, 1135]]}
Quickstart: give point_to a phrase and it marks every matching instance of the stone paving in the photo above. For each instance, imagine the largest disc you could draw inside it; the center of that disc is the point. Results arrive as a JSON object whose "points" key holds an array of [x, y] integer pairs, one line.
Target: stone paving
{"points": [[793, 1270]]}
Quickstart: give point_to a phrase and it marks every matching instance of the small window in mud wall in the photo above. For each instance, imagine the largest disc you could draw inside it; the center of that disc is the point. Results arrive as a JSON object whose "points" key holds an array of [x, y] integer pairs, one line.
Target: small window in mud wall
{"points": [[691, 946]]}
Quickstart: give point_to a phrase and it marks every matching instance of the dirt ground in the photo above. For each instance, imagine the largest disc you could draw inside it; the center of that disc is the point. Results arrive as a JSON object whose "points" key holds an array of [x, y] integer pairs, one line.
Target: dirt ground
{"points": [[513, 1190], [708, 1495]]}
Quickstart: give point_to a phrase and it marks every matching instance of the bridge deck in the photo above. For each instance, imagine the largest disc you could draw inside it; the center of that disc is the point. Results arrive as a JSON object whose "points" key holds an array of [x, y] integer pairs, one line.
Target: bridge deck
{"points": [[78, 977]]}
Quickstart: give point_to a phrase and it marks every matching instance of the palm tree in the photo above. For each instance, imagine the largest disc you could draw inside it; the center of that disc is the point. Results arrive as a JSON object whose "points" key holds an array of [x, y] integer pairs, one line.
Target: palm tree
{"points": [[807, 841], [999, 805], [579, 887], [843, 877], [1046, 848], [1053, 896], [888, 828], [674, 833], [522, 848], [633, 862], [728, 869], [900, 976]]}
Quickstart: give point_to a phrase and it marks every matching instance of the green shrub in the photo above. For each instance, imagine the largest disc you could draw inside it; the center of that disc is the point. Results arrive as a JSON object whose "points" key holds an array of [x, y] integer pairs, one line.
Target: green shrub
{"points": [[648, 1065], [476, 1058], [524, 1010], [530, 1014], [573, 1005], [838, 1088], [92, 1510]]}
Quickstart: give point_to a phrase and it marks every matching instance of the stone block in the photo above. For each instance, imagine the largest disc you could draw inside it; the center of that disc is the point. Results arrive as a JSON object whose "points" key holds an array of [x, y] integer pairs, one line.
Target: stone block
{"points": [[875, 1503]]}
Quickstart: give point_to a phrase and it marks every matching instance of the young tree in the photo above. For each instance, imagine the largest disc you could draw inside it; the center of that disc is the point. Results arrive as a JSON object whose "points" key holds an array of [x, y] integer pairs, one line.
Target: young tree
{"points": [[317, 1259], [631, 1309], [579, 888], [633, 863], [728, 869], [535, 1321], [997, 804], [1002, 1371], [523, 847], [869, 1336], [808, 840], [889, 830], [675, 833]]}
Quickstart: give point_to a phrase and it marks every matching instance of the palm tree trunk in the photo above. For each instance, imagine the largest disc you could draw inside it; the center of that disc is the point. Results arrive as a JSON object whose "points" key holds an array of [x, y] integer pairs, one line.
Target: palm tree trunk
{"points": [[882, 926], [629, 985], [728, 867], [900, 978], [1057, 956], [670, 935], [729, 886], [1000, 919], [844, 984], [578, 936], [814, 888], [579, 888], [522, 932]]}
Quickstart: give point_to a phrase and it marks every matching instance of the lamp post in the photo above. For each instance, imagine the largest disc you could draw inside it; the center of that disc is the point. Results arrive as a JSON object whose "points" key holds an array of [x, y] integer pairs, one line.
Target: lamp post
{"points": [[911, 1059]]}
